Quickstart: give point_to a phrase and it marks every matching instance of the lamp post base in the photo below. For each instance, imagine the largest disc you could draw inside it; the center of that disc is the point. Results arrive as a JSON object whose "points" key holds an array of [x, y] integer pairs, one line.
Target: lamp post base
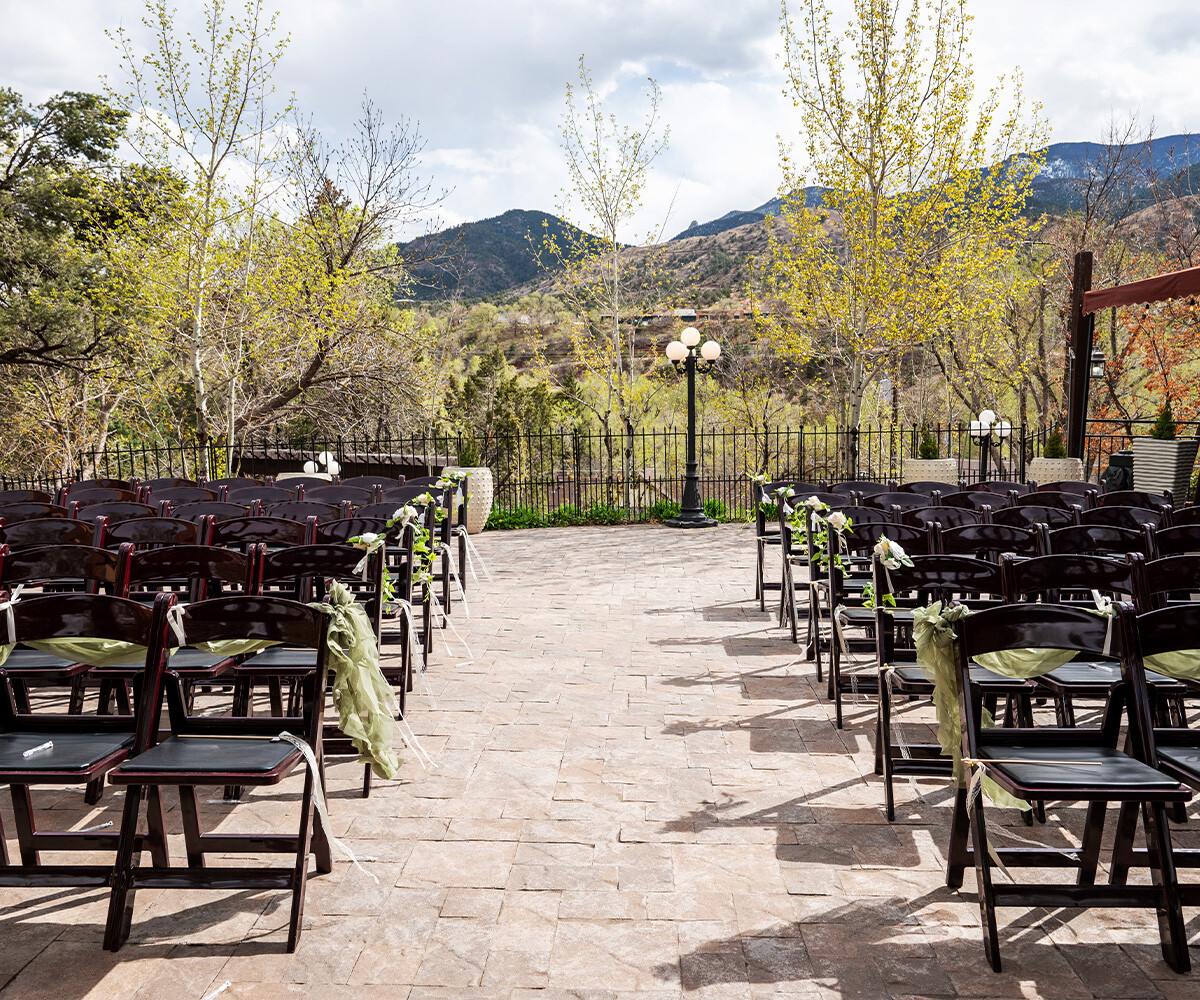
{"points": [[690, 519]]}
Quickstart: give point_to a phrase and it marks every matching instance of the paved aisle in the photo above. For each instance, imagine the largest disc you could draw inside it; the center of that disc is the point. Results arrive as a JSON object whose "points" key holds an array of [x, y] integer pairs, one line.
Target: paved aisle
{"points": [[635, 794]]}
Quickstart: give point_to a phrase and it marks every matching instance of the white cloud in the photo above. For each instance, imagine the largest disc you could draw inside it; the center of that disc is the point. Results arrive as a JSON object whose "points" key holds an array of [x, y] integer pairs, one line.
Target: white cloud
{"points": [[486, 81]]}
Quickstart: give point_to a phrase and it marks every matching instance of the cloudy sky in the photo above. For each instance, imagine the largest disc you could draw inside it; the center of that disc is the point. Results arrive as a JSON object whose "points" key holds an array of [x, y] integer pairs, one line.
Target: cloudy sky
{"points": [[485, 80]]}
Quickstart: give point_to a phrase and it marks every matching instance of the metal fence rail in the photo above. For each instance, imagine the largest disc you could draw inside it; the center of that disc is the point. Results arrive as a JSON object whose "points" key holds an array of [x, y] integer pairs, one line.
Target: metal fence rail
{"points": [[543, 471]]}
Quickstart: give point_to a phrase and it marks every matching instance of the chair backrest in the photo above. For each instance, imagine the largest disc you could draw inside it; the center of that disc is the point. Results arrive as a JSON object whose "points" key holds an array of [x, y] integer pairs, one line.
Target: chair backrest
{"points": [[180, 494], [1126, 517], [986, 540], [146, 532], [905, 501], [99, 484], [1168, 580], [860, 539], [370, 482], [1097, 539], [11, 513], [212, 508], [308, 570], [85, 498], [263, 494], [166, 482], [863, 487], [422, 481], [1001, 486], [272, 531], [47, 531], [977, 499], [926, 487], [1178, 539], [1053, 500], [337, 532], [267, 618], [114, 510], [24, 496], [77, 568], [230, 481], [947, 517], [1030, 516], [1045, 576], [339, 492], [1186, 515], [192, 572], [291, 482], [302, 510], [1069, 486], [1135, 498]]}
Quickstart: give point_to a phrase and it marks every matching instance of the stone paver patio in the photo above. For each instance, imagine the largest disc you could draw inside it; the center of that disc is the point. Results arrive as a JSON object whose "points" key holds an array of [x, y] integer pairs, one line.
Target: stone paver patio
{"points": [[637, 793]]}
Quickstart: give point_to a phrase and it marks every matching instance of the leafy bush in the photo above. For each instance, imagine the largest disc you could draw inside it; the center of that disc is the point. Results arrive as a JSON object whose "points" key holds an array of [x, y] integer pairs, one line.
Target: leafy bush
{"points": [[1054, 445], [567, 514], [1164, 427], [660, 510], [602, 513], [716, 509], [928, 446], [505, 519]]}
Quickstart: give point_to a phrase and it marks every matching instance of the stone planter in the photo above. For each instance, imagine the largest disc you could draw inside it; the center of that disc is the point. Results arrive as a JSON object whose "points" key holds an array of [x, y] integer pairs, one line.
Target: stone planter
{"points": [[930, 470], [481, 489], [1055, 470], [1164, 465]]}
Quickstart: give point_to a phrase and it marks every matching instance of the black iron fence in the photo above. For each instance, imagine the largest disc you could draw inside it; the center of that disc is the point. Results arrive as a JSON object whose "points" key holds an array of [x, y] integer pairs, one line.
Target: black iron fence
{"points": [[544, 471]]}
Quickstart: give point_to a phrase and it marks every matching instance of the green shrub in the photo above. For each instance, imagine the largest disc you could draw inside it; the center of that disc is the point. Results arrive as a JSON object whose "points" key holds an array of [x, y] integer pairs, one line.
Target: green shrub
{"points": [[1054, 445], [603, 513], [660, 510], [1164, 427], [716, 509], [567, 514], [468, 453], [928, 446], [507, 518]]}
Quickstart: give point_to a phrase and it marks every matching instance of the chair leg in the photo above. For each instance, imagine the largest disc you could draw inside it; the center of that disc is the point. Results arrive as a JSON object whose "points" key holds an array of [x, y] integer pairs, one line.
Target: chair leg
{"points": [[1089, 851], [883, 745], [1122, 856], [94, 791], [78, 694], [23, 819], [120, 899], [366, 793], [983, 877], [1171, 929], [189, 808], [300, 872], [760, 592], [957, 856]]}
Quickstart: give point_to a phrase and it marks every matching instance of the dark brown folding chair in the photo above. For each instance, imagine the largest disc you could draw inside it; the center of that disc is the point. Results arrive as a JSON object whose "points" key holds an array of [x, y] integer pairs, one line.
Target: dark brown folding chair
{"points": [[50, 748], [1055, 764], [47, 531], [244, 751]]}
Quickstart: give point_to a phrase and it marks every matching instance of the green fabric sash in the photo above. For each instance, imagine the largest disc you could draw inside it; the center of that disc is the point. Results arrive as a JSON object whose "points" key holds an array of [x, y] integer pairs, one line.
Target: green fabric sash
{"points": [[933, 637], [362, 696], [1182, 664]]}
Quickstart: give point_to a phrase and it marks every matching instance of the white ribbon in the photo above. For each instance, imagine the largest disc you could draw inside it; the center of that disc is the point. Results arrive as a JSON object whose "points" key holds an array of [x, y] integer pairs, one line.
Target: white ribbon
{"points": [[437, 607], [319, 800], [473, 554], [404, 609], [411, 741], [449, 557], [175, 615], [10, 620], [838, 612], [1105, 607], [361, 566]]}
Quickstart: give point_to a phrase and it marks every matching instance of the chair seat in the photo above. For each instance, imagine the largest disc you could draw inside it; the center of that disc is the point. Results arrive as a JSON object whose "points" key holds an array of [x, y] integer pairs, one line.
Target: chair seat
{"points": [[282, 659], [1090, 673], [218, 758], [1186, 760], [1116, 770], [71, 751], [914, 677], [23, 659]]}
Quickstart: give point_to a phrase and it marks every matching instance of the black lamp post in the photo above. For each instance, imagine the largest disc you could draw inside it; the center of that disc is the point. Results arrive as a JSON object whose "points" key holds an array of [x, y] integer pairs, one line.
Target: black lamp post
{"points": [[983, 429], [683, 352]]}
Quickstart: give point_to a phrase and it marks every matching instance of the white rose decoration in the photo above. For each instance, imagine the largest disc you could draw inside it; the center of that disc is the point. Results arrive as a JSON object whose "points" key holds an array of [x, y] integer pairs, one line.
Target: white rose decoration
{"points": [[837, 521]]}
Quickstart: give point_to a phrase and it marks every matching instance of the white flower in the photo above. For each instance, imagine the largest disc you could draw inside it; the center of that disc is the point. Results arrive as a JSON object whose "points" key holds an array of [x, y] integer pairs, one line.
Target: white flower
{"points": [[891, 554], [405, 514], [837, 521], [814, 503], [369, 537], [759, 479]]}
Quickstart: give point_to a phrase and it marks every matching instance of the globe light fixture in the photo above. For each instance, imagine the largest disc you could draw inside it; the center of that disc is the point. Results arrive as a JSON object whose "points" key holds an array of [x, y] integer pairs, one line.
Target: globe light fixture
{"points": [[984, 429], [683, 353]]}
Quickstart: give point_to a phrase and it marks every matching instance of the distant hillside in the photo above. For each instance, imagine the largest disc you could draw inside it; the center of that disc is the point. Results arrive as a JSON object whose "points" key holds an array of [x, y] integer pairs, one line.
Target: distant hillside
{"points": [[1056, 190], [483, 258]]}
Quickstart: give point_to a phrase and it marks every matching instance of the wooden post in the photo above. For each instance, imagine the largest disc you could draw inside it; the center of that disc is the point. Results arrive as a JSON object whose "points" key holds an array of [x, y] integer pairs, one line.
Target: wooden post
{"points": [[1079, 354]]}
